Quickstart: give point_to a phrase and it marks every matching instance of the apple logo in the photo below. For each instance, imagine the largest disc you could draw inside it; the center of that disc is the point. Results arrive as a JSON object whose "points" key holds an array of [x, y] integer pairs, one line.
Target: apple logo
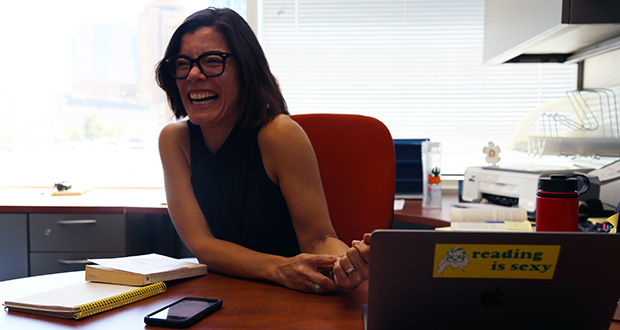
{"points": [[492, 298]]}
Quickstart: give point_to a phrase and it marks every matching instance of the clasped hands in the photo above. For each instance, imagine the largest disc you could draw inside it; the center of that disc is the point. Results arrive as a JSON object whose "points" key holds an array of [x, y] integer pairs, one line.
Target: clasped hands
{"points": [[327, 273], [351, 269]]}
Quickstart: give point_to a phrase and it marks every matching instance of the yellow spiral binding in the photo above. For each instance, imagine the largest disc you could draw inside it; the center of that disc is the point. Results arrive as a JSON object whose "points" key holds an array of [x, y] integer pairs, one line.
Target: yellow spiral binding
{"points": [[119, 300]]}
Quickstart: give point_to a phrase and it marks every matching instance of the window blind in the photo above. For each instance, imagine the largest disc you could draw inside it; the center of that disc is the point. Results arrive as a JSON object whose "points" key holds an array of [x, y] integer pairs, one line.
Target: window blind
{"points": [[415, 65]]}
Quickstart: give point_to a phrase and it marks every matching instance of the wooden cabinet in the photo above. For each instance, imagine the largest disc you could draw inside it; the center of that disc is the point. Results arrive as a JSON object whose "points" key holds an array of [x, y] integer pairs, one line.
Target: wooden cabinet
{"points": [[13, 246]]}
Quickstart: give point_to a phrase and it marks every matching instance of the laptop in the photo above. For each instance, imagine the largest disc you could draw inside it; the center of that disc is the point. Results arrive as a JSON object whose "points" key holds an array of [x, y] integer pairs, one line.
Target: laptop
{"points": [[424, 279]]}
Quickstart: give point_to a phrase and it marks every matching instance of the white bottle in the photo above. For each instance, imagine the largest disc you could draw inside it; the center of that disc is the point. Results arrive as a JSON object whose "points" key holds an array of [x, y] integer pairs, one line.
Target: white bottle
{"points": [[431, 171]]}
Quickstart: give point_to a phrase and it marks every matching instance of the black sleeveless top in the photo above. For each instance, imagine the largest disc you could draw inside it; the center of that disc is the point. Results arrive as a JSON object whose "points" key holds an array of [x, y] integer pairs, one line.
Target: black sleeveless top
{"points": [[241, 204]]}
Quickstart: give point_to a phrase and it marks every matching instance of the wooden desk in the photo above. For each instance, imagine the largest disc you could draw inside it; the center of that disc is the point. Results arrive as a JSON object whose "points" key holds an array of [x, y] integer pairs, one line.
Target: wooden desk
{"points": [[247, 305], [96, 200], [414, 216]]}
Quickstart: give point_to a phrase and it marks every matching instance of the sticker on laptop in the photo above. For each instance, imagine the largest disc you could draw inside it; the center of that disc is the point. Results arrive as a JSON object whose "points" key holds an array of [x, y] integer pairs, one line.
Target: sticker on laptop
{"points": [[495, 261]]}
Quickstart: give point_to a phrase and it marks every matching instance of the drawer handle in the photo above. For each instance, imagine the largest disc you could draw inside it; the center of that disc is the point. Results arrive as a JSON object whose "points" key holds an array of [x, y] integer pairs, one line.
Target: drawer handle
{"points": [[73, 262], [77, 222]]}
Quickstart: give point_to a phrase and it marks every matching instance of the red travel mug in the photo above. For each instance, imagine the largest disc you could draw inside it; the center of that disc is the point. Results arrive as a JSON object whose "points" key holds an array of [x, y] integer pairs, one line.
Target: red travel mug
{"points": [[557, 202]]}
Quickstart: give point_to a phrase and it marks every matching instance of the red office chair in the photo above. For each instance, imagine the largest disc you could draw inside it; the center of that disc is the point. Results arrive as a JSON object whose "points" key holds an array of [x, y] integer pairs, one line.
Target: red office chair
{"points": [[356, 160]]}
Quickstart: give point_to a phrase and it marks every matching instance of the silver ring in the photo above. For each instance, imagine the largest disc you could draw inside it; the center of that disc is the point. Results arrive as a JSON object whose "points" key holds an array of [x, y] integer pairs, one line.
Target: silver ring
{"points": [[350, 270], [315, 287]]}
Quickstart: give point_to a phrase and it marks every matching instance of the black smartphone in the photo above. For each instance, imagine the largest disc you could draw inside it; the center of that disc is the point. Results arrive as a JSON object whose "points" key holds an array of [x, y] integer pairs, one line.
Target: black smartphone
{"points": [[183, 313]]}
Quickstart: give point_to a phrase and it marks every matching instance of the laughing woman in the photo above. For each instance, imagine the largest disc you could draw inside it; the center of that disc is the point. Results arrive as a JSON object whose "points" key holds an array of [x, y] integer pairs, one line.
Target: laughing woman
{"points": [[241, 178]]}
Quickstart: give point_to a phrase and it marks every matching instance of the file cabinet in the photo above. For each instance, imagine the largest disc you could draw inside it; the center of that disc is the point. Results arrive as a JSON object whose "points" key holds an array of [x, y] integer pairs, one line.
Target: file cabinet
{"points": [[41, 234], [40, 243], [63, 241], [13, 245]]}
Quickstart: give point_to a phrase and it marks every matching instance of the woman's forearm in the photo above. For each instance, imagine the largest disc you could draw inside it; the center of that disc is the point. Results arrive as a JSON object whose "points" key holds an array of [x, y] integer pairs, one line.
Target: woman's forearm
{"points": [[232, 259], [328, 245]]}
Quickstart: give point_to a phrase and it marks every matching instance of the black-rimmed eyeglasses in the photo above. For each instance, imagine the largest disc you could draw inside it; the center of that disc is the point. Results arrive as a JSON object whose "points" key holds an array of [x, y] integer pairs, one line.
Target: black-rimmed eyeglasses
{"points": [[211, 64]]}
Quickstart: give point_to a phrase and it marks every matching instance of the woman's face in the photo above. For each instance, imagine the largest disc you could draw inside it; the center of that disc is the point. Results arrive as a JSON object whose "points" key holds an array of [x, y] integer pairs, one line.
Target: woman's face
{"points": [[208, 100]]}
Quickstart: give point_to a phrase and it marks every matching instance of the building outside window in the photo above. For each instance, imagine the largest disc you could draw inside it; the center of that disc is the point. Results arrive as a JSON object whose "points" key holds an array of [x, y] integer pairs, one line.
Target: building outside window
{"points": [[80, 103]]}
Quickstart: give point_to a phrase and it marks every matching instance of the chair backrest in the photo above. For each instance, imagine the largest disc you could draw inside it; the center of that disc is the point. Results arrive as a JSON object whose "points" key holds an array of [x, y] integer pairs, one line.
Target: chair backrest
{"points": [[356, 161]]}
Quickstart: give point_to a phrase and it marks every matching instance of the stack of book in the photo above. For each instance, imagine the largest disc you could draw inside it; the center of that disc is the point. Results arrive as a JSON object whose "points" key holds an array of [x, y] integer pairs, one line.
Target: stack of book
{"points": [[112, 283]]}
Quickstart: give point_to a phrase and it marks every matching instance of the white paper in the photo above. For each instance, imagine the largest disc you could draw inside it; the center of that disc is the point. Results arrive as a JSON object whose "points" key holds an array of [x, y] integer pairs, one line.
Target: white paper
{"points": [[73, 295], [608, 173], [478, 226], [143, 264], [491, 226], [483, 215], [479, 206], [399, 204]]}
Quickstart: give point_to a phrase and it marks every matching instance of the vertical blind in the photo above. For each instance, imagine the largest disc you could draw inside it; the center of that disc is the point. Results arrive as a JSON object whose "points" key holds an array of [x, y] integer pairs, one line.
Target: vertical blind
{"points": [[415, 65]]}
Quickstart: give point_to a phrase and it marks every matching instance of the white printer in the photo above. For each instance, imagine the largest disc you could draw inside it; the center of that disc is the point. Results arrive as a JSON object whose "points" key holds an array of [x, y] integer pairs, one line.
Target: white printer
{"points": [[505, 186]]}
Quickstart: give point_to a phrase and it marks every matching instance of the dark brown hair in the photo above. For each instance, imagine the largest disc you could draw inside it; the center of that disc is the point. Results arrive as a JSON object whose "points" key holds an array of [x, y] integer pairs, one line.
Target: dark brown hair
{"points": [[259, 99]]}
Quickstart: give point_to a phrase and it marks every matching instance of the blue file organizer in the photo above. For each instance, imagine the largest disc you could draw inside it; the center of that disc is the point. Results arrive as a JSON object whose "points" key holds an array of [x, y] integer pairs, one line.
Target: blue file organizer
{"points": [[408, 154]]}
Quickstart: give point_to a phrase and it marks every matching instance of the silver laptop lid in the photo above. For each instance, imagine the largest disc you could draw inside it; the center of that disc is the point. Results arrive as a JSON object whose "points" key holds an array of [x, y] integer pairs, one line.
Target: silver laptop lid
{"points": [[423, 279]]}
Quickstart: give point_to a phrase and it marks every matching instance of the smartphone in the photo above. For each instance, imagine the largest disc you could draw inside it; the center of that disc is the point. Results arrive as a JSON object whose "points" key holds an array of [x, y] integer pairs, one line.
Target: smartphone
{"points": [[183, 313]]}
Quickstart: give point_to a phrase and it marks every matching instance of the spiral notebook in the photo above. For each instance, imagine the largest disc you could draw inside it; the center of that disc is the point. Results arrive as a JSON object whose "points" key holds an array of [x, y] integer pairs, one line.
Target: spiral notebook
{"points": [[83, 299]]}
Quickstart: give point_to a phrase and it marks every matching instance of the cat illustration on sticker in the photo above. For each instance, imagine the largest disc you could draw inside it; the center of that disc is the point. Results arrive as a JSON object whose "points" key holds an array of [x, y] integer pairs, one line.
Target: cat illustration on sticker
{"points": [[455, 258]]}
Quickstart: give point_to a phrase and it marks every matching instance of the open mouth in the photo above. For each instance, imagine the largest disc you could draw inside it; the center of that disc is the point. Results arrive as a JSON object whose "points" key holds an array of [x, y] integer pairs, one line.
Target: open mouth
{"points": [[200, 98]]}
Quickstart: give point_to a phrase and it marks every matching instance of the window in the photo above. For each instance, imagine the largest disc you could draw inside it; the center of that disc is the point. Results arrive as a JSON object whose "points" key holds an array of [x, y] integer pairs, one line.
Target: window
{"points": [[415, 65], [80, 102], [79, 99]]}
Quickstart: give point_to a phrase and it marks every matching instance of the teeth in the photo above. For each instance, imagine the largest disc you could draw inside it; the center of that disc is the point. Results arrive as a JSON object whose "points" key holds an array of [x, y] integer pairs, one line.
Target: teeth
{"points": [[201, 95], [201, 98], [207, 101]]}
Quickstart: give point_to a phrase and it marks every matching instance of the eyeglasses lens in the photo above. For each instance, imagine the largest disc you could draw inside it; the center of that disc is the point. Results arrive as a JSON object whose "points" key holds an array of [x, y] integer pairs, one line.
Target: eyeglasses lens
{"points": [[210, 65]]}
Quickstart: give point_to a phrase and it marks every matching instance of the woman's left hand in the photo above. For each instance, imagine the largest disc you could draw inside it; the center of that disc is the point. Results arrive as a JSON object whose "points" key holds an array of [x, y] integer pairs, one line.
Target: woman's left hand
{"points": [[351, 269]]}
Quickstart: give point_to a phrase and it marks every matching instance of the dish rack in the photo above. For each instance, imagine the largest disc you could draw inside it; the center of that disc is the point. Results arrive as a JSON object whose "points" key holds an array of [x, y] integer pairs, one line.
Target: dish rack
{"points": [[584, 123]]}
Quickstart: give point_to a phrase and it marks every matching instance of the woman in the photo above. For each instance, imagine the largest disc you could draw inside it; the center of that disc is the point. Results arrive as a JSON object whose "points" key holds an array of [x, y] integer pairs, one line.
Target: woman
{"points": [[242, 181]]}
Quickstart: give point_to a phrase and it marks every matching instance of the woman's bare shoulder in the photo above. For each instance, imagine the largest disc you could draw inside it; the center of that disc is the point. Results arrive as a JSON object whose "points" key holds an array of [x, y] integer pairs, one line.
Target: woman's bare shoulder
{"points": [[281, 127], [284, 146], [174, 128], [174, 135]]}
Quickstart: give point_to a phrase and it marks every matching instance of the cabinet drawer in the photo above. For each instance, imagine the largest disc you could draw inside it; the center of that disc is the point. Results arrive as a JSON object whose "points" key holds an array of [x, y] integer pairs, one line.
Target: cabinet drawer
{"points": [[47, 263], [77, 232], [13, 246]]}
